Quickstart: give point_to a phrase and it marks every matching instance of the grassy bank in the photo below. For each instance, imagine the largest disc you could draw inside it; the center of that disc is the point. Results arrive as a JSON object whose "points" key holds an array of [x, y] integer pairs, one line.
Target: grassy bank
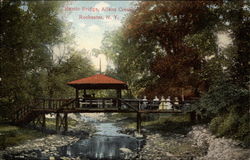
{"points": [[177, 123], [13, 135], [120, 116], [51, 123]]}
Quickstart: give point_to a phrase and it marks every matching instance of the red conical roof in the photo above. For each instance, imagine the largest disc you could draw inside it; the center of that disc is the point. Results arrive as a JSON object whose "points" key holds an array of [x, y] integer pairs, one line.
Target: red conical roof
{"points": [[97, 81]]}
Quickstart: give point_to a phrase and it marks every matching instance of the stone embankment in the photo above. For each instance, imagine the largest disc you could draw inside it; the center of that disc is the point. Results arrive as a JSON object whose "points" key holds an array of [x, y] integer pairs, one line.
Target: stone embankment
{"points": [[198, 144], [218, 148], [47, 146], [172, 147]]}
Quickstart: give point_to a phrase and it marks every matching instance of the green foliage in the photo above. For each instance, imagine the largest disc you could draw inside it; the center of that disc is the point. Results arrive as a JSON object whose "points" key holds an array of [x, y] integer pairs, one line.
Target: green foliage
{"points": [[51, 123], [223, 97], [7, 128], [232, 125], [131, 62], [224, 125], [214, 124], [169, 123], [70, 68], [166, 53], [12, 135], [37, 58], [243, 131], [178, 46], [27, 29], [226, 105]]}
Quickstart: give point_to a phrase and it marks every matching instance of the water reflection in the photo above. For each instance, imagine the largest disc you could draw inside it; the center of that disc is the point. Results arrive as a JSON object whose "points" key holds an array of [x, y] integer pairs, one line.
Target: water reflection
{"points": [[105, 144], [108, 129], [101, 147]]}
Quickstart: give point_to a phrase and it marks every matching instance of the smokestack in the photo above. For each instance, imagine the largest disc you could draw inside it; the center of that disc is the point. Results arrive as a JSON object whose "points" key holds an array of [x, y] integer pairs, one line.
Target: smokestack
{"points": [[100, 62]]}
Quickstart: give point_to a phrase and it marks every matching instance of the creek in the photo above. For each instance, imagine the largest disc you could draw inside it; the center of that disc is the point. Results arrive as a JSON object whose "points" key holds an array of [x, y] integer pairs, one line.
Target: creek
{"points": [[106, 143]]}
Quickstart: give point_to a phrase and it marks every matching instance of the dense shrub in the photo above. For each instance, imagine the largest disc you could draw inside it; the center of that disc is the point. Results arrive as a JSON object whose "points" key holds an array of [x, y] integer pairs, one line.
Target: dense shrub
{"points": [[232, 125], [226, 105]]}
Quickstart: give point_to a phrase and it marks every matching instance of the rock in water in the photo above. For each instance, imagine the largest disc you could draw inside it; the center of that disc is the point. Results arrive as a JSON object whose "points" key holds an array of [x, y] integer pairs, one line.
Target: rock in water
{"points": [[125, 150], [138, 135], [51, 158]]}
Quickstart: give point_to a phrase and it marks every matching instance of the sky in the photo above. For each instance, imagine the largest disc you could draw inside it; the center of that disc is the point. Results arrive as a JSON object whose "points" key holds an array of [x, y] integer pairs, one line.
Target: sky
{"points": [[91, 19]]}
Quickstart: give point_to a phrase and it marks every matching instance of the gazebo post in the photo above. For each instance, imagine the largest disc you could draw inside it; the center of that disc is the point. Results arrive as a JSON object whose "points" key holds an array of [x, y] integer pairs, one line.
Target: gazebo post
{"points": [[77, 98], [119, 93], [119, 96], [84, 93], [98, 81]]}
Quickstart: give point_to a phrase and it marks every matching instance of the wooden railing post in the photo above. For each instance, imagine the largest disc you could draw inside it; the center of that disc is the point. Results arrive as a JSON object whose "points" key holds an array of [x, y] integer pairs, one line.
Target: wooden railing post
{"points": [[77, 99], [116, 104], [192, 116], [57, 122], [50, 104], [43, 121], [90, 104], [138, 107], [18, 115], [103, 103], [65, 122], [43, 103], [138, 122]]}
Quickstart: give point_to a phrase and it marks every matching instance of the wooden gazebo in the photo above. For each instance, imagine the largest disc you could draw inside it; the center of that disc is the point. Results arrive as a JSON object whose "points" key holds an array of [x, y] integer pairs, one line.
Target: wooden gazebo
{"points": [[98, 82], [62, 107]]}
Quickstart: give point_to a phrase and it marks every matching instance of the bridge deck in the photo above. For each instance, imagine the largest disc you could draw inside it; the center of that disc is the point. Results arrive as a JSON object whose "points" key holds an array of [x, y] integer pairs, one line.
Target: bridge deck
{"points": [[103, 110], [36, 112]]}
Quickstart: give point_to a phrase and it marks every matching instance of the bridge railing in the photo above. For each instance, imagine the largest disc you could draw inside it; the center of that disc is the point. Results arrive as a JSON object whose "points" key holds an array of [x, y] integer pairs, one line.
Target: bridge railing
{"points": [[132, 104], [141, 104], [107, 103], [20, 113], [23, 111], [52, 104], [98, 103], [70, 104]]}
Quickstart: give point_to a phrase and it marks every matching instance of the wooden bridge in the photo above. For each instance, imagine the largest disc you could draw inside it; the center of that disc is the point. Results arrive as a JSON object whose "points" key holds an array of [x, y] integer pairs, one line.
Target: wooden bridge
{"points": [[89, 104], [36, 112]]}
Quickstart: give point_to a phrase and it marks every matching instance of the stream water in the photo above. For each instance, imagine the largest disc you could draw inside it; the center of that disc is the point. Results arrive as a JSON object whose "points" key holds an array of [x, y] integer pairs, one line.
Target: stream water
{"points": [[106, 143]]}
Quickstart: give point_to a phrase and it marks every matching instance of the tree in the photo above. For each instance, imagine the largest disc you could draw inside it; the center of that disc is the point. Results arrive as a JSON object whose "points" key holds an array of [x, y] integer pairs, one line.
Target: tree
{"points": [[130, 62], [158, 52], [27, 29], [175, 44], [226, 102], [74, 67]]}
